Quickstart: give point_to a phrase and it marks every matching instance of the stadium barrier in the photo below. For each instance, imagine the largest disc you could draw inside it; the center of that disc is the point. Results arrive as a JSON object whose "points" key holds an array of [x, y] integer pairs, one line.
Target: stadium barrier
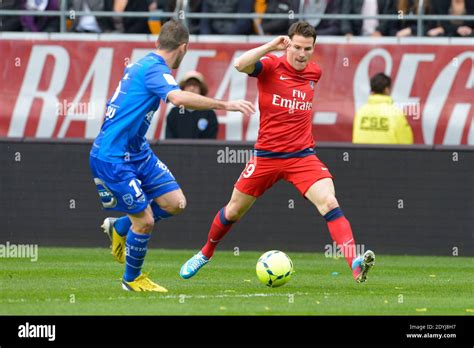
{"points": [[58, 84], [181, 13], [399, 199]]}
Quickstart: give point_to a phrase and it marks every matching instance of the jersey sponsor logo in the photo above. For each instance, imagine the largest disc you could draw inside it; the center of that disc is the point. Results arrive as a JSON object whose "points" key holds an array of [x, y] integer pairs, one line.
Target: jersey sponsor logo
{"points": [[170, 79], [291, 104], [162, 166]]}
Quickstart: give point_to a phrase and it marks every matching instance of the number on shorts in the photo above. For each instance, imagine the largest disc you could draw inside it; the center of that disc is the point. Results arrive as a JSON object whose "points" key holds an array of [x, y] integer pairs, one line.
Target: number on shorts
{"points": [[248, 171], [133, 184]]}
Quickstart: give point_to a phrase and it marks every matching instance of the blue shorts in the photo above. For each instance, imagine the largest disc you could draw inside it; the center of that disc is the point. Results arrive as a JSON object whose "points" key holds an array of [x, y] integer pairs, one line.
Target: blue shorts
{"points": [[130, 187]]}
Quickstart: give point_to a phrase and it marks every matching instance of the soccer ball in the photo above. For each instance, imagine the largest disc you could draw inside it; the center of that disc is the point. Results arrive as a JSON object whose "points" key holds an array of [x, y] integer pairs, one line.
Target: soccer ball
{"points": [[274, 268]]}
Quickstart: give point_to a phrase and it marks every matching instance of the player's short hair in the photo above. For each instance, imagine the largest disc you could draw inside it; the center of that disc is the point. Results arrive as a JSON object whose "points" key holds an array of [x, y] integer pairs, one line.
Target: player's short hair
{"points": [[173, 33], [379, 82], [302, 28]]}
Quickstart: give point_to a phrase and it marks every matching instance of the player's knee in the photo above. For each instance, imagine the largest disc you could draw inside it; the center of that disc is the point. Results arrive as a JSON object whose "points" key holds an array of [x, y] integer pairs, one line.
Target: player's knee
{"points": [[144, 225], [330, 203], [232, 212], [176, 206]]}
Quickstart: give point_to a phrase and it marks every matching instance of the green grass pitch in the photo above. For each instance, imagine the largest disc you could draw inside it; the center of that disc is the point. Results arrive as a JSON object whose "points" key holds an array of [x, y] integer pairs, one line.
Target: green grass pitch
{"points": [[75, 281]]}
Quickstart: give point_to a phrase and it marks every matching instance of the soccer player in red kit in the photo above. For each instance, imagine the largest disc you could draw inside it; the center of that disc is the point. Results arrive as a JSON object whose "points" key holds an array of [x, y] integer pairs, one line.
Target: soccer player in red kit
{"points": [[285, 146]]}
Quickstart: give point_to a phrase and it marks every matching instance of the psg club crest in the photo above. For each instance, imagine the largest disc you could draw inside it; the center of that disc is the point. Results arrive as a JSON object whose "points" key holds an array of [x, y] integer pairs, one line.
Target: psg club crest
{"points": [[311, 84]]}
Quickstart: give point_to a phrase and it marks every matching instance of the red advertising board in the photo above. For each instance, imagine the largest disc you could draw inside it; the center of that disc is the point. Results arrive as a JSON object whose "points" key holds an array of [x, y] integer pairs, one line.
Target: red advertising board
{"points": [[58, 88]]}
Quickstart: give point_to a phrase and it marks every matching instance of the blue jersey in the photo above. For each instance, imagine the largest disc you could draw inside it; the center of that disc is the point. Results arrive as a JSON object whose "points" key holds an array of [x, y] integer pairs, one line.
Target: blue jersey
{"points": [[130, 110]]}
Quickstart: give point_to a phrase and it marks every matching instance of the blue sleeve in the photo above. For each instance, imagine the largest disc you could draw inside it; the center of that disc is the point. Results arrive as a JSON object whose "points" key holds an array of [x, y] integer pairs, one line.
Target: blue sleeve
{"points": [[160, 82]]}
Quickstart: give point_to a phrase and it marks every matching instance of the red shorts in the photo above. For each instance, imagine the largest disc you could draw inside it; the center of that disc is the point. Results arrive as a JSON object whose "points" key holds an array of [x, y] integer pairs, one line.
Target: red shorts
{"points": [[261, 173]]}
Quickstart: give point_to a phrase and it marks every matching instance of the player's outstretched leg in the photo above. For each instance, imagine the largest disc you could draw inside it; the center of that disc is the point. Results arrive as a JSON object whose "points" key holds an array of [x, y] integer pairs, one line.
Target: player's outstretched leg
{"points": [[117, 228], [220, 226], [322, 195], [239, 204]]}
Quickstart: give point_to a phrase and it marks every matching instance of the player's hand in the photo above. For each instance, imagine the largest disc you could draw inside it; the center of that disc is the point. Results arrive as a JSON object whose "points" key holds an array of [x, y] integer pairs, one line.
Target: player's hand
{"points": [[243, 106], [464, 30], [436, 31], [404, 32], [280, 43]]}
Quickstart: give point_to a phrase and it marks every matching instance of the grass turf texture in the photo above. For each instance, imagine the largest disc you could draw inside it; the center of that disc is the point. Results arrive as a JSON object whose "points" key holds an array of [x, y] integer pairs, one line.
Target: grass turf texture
{"points": [[86, 281]]}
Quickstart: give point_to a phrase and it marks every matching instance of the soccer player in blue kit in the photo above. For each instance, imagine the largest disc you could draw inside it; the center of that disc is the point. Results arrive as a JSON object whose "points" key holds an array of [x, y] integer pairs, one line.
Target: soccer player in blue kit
{"points": [[128, 175]]}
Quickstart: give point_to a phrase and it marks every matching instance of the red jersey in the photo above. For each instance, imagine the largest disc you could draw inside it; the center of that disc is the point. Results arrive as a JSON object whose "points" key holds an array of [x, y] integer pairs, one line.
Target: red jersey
{"points": [[286, 104]]}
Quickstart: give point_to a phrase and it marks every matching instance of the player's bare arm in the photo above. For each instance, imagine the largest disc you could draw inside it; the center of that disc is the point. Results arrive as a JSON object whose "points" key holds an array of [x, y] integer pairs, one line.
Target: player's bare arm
{"points": [[246, 62], [198, 102]]}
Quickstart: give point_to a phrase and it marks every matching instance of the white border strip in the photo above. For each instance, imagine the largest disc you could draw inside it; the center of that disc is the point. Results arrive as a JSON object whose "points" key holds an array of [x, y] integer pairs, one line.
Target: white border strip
{"points": [[11, 35], [236, 39]]}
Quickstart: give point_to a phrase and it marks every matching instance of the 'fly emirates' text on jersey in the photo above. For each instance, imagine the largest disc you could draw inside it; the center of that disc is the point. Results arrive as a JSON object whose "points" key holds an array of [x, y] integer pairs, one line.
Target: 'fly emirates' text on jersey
{"points": [[286, 103]]}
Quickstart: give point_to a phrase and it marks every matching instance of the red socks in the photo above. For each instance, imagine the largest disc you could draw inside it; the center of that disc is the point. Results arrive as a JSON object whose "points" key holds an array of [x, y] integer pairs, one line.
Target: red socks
{"points": [[341, 233], [339, 228], [220, 226]]}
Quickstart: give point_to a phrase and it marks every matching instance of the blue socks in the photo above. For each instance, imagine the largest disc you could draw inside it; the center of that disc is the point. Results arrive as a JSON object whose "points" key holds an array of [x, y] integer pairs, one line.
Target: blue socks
{"points": [[123, 224], [136, 243], [334, 214], [158, 213], [135, 251]]}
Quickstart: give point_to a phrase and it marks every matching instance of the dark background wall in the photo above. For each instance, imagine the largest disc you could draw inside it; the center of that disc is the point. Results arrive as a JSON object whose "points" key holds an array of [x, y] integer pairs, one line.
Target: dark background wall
{"points": [[47, 197]]}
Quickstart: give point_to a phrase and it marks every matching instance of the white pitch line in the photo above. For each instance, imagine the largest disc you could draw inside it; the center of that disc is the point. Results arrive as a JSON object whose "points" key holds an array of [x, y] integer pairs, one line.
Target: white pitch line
{"points": [[232, 296], [164, 297]]}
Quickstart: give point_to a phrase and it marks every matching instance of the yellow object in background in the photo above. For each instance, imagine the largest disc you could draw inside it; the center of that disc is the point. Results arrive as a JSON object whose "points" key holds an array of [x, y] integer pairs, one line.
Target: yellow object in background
{"points": [[381, 122], [154, 25]]}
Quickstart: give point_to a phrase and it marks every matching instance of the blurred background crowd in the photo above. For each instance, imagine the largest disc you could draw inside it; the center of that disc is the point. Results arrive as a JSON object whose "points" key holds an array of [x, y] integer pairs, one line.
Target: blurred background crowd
{"points": [[242, 26]]}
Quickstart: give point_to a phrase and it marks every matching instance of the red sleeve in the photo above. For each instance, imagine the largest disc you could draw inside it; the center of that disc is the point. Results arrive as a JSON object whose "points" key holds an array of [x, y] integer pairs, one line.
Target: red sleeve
{"points": [[264, 65]]}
